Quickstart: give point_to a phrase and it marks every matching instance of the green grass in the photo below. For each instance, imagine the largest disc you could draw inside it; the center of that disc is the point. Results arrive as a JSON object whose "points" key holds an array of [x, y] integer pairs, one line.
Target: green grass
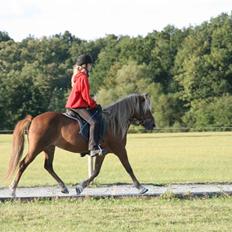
{"points": [[155, 158], [122, 215]]}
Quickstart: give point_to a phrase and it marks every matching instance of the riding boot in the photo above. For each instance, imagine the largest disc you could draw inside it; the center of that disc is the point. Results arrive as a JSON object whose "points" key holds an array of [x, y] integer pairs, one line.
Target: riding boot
{"points": [[94, 132]]}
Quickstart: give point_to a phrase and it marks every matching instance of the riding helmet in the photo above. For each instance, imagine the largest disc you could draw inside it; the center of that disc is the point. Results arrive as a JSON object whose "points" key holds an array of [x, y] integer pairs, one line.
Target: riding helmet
{"points": [[84, 59]]}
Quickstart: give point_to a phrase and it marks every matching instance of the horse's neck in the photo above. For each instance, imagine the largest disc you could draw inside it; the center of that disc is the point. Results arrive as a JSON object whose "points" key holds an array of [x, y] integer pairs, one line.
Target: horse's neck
{"points": [[118, 109], [118, 117]]}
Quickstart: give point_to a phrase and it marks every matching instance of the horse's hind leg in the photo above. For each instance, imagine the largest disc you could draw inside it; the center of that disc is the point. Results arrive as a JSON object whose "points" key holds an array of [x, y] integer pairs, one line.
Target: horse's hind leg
{"points": [[49, 156], [22, 167]]}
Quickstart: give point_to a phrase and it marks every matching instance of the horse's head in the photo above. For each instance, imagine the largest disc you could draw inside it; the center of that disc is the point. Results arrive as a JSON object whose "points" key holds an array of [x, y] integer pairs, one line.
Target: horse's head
{"points": [[142, 114]]}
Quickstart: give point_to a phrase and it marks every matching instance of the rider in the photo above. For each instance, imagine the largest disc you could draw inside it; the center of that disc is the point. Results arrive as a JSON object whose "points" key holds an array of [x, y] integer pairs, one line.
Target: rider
{"points": [[81, 102]]}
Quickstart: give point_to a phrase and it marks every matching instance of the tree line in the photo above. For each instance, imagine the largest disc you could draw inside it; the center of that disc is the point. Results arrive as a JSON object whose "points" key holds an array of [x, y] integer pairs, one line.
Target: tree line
{"points": [[187, 72]]}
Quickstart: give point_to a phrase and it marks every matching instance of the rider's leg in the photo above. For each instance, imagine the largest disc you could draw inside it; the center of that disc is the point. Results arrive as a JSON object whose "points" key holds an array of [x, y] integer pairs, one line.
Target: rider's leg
{"points": [[94, 133]]}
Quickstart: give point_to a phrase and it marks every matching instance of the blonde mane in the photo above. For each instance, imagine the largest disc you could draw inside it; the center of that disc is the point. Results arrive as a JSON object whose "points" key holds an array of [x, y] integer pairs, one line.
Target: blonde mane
{"points": [[118, 114]]}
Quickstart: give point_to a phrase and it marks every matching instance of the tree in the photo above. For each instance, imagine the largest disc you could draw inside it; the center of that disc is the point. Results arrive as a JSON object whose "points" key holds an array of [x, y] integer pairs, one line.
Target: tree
{"points": [[187, 72], [203, 65], [205, 113], [130, 78], [162, 55], [107, 57], [4, 36]]}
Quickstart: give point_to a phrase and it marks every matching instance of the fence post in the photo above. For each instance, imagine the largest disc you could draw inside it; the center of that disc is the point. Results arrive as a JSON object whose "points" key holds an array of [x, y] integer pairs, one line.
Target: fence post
{"points": [[91, 162]]}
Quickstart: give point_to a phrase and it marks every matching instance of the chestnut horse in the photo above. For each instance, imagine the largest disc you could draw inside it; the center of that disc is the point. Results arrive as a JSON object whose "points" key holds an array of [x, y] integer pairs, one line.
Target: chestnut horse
{"points": [[51, 129]]}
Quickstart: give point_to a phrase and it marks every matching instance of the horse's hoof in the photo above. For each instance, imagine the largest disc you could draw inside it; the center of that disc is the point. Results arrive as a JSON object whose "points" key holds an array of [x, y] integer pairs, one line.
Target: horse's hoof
{"points": [[79, 189], [64, 190], [142, 190], [13, 193]]}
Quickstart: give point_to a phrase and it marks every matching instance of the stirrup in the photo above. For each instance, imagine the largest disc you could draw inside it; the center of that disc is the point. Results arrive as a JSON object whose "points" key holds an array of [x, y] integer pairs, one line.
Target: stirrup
{"points": [[96, 152]]}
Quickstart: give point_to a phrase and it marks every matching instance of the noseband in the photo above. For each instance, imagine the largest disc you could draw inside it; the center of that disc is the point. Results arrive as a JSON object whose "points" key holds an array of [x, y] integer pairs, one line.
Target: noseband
{"points": [[136, 121], [139, 121]]}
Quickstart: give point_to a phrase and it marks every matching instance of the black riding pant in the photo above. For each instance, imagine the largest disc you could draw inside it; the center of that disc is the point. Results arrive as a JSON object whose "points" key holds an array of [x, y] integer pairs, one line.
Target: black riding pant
{"points": [[94, 132]]}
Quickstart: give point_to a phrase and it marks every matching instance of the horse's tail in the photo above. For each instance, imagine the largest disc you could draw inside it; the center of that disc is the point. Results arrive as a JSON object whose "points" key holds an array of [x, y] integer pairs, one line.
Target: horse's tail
{"points": [[18, 145]]}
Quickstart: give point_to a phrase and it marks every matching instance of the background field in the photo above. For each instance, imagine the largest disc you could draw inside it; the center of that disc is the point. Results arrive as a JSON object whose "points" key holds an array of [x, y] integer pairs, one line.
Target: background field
{"points": [[157, 159]]}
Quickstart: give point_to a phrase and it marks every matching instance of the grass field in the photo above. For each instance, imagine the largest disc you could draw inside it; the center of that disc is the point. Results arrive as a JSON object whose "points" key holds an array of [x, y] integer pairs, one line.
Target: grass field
{"points": [[121, 215], [156, 159]]}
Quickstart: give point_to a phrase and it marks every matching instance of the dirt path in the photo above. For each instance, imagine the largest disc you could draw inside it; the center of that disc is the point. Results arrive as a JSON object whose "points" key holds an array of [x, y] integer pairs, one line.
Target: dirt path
{"points": [[178, 190]]}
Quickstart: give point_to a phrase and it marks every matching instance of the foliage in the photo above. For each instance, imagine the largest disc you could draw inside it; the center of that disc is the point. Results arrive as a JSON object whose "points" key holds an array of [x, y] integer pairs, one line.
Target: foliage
{"points": [[130, 78], [216, 112], [184, 70], [4, 36]]}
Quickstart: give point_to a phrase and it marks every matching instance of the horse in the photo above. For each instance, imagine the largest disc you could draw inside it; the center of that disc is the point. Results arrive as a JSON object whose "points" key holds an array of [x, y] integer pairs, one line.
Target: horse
{"points": [[52, 129]]}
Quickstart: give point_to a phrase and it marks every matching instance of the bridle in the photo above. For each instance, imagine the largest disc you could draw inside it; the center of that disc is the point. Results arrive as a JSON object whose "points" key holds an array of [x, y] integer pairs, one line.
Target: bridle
{"points": [[140, 121], [136, 121]]}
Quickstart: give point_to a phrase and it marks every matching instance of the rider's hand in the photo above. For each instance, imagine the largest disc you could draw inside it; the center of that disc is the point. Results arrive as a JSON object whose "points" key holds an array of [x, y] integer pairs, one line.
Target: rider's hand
{"points": [[99, 107]]}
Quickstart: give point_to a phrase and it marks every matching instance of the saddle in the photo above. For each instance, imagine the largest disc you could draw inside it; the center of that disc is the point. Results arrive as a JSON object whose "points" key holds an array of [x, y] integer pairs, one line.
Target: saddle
{"points": [[84, 126]]}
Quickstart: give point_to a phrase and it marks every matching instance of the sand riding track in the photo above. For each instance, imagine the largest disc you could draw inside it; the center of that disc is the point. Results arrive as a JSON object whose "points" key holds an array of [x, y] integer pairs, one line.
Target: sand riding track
{"points": [[119, 191]]}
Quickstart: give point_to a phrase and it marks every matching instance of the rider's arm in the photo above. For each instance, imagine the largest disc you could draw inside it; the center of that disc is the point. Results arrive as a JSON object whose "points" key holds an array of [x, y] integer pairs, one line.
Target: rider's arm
{"points": [[85, 92]]}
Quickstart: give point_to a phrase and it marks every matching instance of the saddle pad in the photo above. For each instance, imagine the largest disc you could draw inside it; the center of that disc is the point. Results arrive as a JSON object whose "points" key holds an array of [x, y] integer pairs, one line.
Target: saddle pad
{"points": [[84, 126]]}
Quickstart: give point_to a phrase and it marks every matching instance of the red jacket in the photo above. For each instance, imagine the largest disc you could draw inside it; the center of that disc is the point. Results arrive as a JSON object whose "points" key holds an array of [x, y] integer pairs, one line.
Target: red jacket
{"points": [[80, 93]]}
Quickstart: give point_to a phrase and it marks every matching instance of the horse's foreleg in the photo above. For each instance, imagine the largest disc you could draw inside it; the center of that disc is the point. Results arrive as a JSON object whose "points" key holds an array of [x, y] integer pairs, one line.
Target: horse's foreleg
{"points": [[48, 165], [122, 155], [97, 168]]}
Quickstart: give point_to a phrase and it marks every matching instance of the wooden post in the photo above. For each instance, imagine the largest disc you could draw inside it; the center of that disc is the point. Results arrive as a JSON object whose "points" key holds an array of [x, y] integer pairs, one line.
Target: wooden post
{"points": [[91, 162]]}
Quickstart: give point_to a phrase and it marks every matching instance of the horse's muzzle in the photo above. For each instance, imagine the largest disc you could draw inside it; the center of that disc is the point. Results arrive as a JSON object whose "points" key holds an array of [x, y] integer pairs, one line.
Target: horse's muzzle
{"points": [[149, 124]]}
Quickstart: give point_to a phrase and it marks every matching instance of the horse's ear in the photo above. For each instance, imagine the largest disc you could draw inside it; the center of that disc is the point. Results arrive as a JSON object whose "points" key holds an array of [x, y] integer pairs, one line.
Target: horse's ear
{"points": [[146, 95]]}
